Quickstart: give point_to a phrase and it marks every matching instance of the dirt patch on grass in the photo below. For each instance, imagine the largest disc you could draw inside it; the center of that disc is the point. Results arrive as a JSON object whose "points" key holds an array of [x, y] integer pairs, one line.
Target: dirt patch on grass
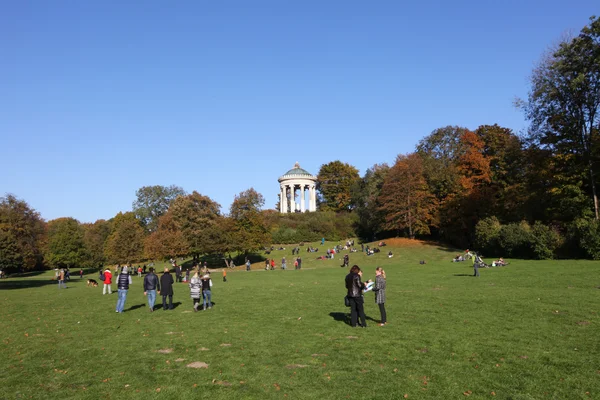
{"points": [[583, 323], [164, 351], [225, 344], [293, 366], [197, 364], [404, 242]]}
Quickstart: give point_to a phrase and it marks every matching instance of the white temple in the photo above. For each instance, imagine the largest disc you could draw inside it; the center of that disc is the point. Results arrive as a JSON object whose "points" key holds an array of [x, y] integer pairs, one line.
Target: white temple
{"points": [[301, 181]]}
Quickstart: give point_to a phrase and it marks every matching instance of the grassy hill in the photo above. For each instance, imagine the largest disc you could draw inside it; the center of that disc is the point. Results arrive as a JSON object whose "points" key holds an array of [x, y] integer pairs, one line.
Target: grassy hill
{"points": [[528, 330]]}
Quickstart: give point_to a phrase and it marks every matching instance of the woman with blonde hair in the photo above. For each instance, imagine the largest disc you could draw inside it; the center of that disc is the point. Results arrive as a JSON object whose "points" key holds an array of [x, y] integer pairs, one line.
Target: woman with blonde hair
{"points": [[379, 290], [195, 289]]}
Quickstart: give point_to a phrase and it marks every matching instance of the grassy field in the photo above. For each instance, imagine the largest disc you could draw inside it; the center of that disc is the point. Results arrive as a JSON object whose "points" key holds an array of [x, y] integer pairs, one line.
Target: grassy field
{"points": [[526, 331]]}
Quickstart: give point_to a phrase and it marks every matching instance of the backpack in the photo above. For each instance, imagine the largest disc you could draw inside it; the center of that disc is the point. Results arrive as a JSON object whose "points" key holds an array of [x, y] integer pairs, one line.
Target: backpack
{"points": [[102, 276]]}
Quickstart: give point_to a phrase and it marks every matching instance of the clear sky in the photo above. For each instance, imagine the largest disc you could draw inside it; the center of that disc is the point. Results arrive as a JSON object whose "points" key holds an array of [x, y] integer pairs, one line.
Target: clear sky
{"points": [[100, 98]]}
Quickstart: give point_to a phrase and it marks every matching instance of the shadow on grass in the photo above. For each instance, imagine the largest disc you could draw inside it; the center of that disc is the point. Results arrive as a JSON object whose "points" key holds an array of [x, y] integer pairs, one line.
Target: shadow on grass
{"points": [[463, 274], [26, 283], [135, 307], [345, 317]]}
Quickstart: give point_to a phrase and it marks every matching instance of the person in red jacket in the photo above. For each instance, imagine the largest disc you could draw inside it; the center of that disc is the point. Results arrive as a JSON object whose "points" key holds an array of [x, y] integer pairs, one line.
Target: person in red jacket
{"points": [[107, 281]]}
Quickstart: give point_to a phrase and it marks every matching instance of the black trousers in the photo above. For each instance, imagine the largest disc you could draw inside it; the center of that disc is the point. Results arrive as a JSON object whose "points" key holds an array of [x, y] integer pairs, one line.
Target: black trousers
{"points": [[357, 310], [170, 302], [383, 314]]}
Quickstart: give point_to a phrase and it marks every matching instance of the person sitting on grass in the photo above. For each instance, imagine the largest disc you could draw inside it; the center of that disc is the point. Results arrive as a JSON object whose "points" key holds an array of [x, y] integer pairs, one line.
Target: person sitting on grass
{"points": [[499, 263], [458, 258], [390, 254]]}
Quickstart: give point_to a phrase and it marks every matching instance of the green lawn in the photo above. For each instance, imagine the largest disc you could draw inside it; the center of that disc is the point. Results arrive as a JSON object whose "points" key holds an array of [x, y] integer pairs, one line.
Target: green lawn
{"points": [[526, 331]]}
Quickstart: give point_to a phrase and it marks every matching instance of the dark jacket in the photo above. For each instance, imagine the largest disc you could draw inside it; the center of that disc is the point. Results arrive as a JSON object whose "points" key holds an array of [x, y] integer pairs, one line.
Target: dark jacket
{"points": [[205, 284], [151, 282], [354, 285], [166, 284], [123, 281]]}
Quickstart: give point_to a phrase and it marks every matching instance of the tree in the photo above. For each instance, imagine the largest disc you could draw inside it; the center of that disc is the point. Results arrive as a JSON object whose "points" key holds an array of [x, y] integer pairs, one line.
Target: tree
{"points": [[198, 217], [22, 233], [365, 193], [95, 237], [405, 198], [167, 241], [334, 183], [66, 246], [126, 242], [249, 231], [564, 102], [153, 201]]}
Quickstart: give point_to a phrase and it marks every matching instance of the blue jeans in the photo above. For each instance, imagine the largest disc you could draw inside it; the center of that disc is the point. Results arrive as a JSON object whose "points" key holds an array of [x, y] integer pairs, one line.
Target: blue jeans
{"points": [[151, 298], [206, 298], [62, 283], [121, 300]]}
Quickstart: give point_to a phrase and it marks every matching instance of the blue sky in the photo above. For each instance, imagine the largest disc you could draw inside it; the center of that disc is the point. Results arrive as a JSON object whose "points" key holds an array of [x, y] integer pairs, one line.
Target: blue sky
{"points": [[100, 98]]}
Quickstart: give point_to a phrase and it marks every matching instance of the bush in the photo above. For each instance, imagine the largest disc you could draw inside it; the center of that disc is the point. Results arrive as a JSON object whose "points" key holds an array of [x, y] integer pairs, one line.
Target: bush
{"points": [[515, 240], [585, 233], [310, 227], [487, 232], [544, 241]]}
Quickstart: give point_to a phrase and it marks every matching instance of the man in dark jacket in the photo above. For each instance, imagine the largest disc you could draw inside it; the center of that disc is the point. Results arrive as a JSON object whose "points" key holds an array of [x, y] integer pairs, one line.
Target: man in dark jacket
{"points": [[177, 273], [166, 284], [123, 282], [151, 285], [355, 288]]}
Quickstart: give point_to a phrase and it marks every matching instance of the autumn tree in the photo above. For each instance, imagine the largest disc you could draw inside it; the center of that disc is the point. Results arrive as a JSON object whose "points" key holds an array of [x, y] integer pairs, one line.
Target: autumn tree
{"points": [[249, 231], [405, 198], [564, 103], [166, 241], [334, 183], [153, 201], [365, 194], [199, 219], [95, 237], [22, 233], [65, 246], [126, 241]]}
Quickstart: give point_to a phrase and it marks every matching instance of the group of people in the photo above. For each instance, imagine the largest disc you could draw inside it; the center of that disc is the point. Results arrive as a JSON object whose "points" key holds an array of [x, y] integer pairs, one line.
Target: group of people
{"points": [[356, 290], [200, 286], [271, 265]]}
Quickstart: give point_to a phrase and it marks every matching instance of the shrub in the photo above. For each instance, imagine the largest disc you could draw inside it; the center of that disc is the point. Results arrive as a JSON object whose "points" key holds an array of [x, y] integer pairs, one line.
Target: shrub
{"points": [[487, 232], [515, 239], [544, 241], [586, 234]]}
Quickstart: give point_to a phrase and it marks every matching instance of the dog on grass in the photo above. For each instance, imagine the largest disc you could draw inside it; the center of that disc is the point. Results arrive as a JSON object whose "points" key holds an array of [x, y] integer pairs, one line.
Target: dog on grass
{"points": [[92, 282]]}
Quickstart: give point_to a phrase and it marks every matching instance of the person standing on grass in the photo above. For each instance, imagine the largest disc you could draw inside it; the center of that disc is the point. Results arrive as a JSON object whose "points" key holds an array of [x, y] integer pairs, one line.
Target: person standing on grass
{"points": [[475, 267], [107, 282], [354, 287], [80, 273], [299, 263], [224, 275], [187, 275], [283, 265], [61, 278], [151, 284], [195, 289], [140, 271], [123, 282], [379, 290], [177, 273], [272, 264], [248, 265], [206, 293], [166, 284]]}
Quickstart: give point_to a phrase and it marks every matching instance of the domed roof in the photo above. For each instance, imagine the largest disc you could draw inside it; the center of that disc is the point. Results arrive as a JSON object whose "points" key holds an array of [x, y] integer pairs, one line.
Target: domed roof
{"points": [[297, 172]]}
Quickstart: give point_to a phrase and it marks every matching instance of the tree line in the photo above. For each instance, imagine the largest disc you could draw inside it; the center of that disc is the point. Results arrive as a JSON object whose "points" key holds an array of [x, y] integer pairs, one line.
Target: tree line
{"points": [[517, 195]]}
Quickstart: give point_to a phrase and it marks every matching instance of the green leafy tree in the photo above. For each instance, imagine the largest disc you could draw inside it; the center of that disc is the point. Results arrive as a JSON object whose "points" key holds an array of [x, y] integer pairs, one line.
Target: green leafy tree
{"points": [[365, 193], [199, 218], [153, 201], [126, 242], [167, 241], [334, 183], [22, 235], [405, 198], [249, 229], [95, 237], [564, 103], [65, 247]]}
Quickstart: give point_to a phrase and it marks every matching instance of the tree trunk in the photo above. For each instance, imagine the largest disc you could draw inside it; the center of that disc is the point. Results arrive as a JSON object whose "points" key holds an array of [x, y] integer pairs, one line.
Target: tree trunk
{"points": [[593, 188]]}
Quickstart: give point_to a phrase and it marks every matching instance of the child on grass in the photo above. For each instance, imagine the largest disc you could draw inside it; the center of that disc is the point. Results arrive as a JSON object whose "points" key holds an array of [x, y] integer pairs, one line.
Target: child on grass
{"points": [[379, 290]]}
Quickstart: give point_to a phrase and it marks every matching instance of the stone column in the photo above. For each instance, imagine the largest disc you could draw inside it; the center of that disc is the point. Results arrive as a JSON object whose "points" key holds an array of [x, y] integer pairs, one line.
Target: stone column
{"points": [[302, 194], [292, 197], [284, 199], [313, 198]]}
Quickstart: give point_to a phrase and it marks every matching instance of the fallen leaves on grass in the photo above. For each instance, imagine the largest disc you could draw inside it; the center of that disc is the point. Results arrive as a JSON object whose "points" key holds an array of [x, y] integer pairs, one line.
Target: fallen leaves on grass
{"points": [[467, 393], [180, 360], [222, 383], [197, 364], [583, 323], [277, 387], [351, 337], [164, 351], [493, 393], [524, 357], [225, 344], [318, 355]]}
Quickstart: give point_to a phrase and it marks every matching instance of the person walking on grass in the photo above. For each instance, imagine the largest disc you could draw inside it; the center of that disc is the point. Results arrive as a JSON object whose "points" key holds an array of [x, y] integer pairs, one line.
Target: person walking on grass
{"points": [[475, 267], [379, 290], [123, 282], [61, 279], [195, 289], [206, 293], [354, 287], [166, 284], [283, 265], [107, 282], [224, 275], [151, 285]]}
